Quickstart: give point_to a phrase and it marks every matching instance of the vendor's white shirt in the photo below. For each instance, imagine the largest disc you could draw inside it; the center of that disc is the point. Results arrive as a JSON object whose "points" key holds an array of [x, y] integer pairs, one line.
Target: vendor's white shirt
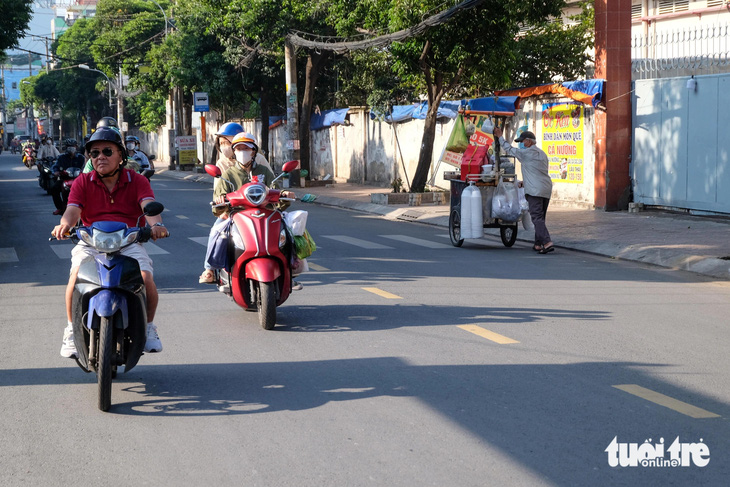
{"points": [[534, 164]]}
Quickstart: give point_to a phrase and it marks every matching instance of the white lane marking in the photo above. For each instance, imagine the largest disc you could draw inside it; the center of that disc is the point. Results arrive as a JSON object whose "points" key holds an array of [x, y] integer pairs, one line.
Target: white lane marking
{"points": [[182, 217], [200, 240], [8, 255], [63, 251], [357, 242], [204, 225], [153, 249], [417, 241]]}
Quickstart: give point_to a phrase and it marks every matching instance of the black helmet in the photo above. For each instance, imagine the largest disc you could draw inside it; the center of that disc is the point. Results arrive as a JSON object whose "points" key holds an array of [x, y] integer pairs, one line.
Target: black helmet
{"points": [[107, 122], [110, 135], [71, 143]]}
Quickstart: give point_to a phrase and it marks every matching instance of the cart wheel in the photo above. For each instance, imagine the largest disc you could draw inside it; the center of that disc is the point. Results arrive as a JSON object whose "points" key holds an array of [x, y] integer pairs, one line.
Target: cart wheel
{"points": [[455, 229], [509, 235]]}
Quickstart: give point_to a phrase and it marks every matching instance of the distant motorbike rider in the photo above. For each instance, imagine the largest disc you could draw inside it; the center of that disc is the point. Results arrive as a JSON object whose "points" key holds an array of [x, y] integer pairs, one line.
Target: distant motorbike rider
{"points": [[47, 150], [70, 158], [132, 144]]}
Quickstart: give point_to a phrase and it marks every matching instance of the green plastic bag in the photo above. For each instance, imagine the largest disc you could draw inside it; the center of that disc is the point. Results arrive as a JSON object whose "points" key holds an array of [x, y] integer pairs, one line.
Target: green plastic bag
{"points": [[458, 141], [304, 245]]}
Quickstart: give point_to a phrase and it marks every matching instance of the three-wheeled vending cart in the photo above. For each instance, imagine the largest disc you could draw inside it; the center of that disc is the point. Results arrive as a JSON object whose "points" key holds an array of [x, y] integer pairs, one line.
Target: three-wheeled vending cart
{"points": [[487, 185]]}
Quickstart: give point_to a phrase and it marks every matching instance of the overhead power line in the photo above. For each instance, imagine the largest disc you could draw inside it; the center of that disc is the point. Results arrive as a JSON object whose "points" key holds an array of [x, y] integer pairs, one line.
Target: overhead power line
{"points": [[384, 40]]}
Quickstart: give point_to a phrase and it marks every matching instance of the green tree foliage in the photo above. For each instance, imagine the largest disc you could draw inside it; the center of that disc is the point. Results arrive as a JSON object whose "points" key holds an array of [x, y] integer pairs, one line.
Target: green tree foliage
{"points": [[16, 15], [473, 49], [555, 50]]}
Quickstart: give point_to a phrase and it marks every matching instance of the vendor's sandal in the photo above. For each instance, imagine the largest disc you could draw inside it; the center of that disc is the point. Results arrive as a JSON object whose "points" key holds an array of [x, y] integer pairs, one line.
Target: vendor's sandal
{"points": [[207, 277], [537, 248], [547, 250]]}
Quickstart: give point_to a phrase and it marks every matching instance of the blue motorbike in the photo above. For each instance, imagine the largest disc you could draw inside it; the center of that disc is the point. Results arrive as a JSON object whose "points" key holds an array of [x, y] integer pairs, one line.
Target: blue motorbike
{"points": [[109, 307]]}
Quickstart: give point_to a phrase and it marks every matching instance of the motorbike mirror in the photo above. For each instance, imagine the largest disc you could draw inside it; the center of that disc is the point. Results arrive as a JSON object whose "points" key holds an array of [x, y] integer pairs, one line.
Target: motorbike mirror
{"points": [[213, 170], [154, 208], [289, 166], [152, 157]]}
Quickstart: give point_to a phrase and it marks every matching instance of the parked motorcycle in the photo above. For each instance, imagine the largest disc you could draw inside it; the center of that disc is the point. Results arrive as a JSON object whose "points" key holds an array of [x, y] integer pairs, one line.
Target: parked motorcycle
{"points": [[46, 179], [259, 249], [109, 302]]}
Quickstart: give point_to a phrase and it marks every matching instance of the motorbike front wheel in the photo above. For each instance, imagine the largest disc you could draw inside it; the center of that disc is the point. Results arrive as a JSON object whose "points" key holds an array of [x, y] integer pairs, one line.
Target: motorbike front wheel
{"points": [[104, 367], [267, 305]]}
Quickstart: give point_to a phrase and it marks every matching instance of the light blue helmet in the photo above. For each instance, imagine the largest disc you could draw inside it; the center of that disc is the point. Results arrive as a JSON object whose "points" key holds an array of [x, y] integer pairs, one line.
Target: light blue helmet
{"points": [[229, 129]]}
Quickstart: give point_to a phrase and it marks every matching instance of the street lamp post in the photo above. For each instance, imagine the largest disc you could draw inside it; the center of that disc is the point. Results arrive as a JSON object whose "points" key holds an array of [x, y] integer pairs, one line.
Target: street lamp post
{"points": [[109, 82], [163, 14]]}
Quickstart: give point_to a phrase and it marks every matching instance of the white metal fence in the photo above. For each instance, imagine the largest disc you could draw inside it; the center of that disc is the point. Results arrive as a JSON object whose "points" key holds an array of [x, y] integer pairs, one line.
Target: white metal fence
{"points": [[679, 52]]}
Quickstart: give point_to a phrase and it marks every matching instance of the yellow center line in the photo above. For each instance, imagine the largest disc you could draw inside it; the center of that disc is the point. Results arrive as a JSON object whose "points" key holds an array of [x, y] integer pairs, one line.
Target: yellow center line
{"points": [[489, 335], [666, 401], [382, 293], [317, 267], [182, 217]]}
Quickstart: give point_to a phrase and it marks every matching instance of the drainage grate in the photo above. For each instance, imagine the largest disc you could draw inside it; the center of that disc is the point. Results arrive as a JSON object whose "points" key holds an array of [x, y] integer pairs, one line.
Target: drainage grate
{"points": [[410, 215]]}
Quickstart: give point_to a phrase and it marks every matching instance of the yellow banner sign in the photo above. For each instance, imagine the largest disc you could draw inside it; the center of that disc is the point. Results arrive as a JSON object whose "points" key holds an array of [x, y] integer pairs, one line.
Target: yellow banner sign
{"points": [[562, 140]]}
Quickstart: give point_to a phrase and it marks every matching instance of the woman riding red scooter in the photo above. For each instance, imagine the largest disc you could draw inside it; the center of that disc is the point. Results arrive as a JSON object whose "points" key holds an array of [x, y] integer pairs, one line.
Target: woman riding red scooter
{"points": [[254, 249]]}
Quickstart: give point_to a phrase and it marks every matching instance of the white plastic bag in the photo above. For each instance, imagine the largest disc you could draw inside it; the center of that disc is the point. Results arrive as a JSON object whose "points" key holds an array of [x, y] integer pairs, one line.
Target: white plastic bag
{"points": [[523, 200], [527, 221], [506, 202], [296, 221]]}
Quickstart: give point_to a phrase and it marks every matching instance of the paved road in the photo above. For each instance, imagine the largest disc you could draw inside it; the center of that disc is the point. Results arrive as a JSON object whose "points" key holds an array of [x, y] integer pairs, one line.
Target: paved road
{"points": [[404, 361]]}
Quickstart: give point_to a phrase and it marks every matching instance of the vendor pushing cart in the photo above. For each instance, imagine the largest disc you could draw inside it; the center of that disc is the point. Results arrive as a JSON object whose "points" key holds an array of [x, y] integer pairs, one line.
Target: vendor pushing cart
{"points": [[486, 176]]}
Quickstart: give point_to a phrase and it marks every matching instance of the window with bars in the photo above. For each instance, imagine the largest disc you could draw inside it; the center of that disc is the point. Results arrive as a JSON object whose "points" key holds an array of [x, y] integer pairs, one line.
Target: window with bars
{"points": [[716, 3], [636, 12]]}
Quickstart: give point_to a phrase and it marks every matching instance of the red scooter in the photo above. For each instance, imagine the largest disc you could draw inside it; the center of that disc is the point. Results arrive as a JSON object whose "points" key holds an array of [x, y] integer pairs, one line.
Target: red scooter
{"points": [[259, 275]]}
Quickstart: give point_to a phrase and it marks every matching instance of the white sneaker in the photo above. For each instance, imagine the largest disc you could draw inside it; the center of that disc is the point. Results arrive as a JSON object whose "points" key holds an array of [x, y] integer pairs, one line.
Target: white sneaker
{"points": [[153, 343], [296, 286], [68, 347]]}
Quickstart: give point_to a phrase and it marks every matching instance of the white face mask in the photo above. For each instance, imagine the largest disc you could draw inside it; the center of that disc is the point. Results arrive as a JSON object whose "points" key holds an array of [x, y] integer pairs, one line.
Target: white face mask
{"points": [[48, 142], [244, 156], [130, 146]]}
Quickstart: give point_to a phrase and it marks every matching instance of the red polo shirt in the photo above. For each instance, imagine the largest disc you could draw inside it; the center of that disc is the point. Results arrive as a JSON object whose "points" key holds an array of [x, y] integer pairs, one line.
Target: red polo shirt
{"points": [[121, 204]]}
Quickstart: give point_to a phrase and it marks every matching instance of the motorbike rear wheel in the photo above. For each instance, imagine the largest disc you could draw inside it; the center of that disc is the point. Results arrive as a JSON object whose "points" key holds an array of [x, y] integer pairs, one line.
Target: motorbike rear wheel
{"points": [[267, 305], [104, 368]]}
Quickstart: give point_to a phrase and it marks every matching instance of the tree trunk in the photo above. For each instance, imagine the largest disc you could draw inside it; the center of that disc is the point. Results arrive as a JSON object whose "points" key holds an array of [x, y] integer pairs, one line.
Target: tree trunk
{"points": [[264, 138], [418, 184], [314, 64]]}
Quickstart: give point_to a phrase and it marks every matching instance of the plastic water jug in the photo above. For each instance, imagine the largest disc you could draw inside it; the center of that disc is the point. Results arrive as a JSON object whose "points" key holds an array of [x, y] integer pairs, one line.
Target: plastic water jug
{"points": [[472, 221]]}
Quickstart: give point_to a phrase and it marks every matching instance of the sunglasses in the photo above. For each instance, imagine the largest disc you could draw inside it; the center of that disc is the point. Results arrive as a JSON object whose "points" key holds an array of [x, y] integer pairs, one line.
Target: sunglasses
{"points": [[107, 151]]}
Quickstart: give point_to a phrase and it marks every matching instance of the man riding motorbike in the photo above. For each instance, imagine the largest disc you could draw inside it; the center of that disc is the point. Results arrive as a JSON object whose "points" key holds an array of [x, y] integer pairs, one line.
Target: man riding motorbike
{"points": [[70, 158], [110, 193], [132, 143], [47, 150]]}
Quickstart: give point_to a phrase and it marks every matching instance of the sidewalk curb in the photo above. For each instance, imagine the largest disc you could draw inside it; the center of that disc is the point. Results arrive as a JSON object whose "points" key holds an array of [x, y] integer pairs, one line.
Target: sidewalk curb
{"points": [[675, 259]]}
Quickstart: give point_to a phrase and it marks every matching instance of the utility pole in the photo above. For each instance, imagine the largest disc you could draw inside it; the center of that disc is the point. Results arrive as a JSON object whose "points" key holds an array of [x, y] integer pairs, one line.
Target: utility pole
{"points": [[292, 110], [120, 104], [49, 108], [3, 139]]}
